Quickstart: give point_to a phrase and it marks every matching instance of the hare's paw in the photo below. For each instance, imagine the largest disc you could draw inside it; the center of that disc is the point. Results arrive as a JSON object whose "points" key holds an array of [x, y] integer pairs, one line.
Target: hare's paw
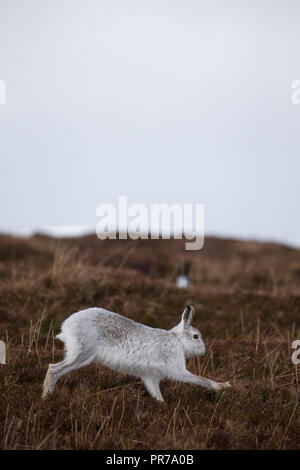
{"points": [[221, 385], [226, 385]]}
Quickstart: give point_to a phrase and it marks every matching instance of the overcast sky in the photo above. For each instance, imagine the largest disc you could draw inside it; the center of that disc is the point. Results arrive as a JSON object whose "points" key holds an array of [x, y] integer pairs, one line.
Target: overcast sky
{"points": [[163, 101]]}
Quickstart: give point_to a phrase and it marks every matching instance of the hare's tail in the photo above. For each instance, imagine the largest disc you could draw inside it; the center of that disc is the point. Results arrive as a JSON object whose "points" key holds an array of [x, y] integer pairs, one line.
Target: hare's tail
{"points": [[61, 337]]}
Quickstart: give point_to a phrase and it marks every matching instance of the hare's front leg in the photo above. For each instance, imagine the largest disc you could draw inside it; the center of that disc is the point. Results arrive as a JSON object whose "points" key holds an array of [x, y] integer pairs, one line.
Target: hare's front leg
{"points": [[152, 385], [188, 377]]}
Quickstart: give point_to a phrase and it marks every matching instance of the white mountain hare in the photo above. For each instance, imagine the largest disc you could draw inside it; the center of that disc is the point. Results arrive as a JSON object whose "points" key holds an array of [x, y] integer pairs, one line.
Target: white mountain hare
{"points": [[121, 344]]}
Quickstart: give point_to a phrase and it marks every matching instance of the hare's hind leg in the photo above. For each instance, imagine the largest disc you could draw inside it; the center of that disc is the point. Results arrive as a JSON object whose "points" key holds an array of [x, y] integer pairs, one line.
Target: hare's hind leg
{"points": [[55, 371], [152, 385], [51, 377], [48, 386], [72, 361]]}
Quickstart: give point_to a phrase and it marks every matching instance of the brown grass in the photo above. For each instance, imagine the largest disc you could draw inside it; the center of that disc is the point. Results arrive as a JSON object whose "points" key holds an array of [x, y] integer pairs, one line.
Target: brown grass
{"points": [[247, 297]]}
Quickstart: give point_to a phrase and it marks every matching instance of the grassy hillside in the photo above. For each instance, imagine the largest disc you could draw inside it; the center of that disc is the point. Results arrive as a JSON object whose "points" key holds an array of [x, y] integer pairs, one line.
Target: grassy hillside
{"points": [[247, 299]]}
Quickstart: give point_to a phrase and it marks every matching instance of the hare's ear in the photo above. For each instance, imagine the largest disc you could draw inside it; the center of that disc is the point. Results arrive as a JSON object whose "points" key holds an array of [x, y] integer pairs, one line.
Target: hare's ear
{"points": [[187, 316]]}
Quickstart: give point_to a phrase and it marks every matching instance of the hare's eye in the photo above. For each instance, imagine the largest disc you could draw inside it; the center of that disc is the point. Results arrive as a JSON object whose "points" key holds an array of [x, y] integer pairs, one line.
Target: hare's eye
{"points": [[195, 336]]}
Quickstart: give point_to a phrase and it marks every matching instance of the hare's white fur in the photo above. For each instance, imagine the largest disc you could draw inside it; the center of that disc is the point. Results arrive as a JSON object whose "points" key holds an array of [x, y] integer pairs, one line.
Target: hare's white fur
{"points": [[121, 344]]}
